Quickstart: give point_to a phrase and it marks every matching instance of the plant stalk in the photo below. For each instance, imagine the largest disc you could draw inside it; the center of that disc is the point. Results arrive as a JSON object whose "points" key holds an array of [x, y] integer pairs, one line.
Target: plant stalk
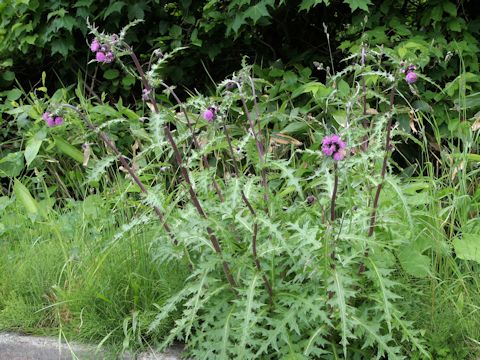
{"points": [[125, 164], [184, 172]]}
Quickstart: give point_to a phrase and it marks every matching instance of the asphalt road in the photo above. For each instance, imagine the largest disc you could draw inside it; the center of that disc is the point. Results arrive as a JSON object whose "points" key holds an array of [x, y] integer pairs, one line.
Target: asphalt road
{"points": [[20, 347]]}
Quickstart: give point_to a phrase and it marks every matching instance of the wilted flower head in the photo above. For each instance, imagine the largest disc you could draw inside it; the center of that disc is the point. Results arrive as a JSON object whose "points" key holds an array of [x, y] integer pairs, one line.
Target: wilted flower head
{"points": [[333, 146], [109, 57], [209, 114], [145, 94]]}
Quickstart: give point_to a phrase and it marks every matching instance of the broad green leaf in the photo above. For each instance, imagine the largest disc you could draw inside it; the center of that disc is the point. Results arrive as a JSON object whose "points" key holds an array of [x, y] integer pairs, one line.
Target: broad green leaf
{"points": [[111, 74], [295, 127], [308, 4], [450, 8], [8, 75], [33, 146], [68, 149], [340, 117], [26, 199], [258, 11], [14, 94], [413, 262], [238, 21], [61, 46], [12, 164], [358, 4], [116, 7], [468, 247]]}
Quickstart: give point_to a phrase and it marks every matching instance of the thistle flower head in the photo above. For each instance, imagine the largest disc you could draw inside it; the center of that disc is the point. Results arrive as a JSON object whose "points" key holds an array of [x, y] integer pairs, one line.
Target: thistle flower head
{"points": [[209, 114], [58, 120], [333, 146], [100, 57], [103, 52], [411, 77], [409, 71], [51, 119], [95, 45]]}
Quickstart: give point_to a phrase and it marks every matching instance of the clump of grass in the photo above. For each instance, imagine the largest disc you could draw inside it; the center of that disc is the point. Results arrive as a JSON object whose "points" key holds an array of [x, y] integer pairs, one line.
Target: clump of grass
{"points": [[66, 273]]}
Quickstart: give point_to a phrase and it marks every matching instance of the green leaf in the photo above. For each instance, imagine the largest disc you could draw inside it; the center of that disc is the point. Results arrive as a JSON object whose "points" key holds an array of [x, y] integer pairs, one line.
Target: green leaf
{"points": [[238, 21], [8, 75], [14, 94], [436, 13], [450, 8], [26, 199], [12, 164], [111, 74], [175, 31], [342, 307], [340, 117], [194, 38], [307, 4], [468, 247], [128, 81], [61, 46], [258, 11], [413, 262], [455, 24], [358, 4], [33, 146], [135, 12], [248, 317], [116, 7], [68, 149], [295, 127]]}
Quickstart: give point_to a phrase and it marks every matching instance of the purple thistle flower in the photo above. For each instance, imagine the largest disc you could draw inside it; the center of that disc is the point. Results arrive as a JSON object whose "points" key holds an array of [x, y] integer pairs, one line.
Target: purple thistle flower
{"points": [[48, 118], [100, 56], [58, 120], [209, 114], [95, 46], [411, 77], [46, 115], [333, 146], [51, 119]]}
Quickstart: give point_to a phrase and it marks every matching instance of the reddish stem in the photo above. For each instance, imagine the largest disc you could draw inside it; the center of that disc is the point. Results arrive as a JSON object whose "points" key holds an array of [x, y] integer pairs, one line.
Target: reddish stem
{"points": [[125, 164], [184, 172]]}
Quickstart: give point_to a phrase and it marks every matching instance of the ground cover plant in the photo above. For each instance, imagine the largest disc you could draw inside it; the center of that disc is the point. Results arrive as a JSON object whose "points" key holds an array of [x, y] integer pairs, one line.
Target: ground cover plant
{"points": [[291, 230]]}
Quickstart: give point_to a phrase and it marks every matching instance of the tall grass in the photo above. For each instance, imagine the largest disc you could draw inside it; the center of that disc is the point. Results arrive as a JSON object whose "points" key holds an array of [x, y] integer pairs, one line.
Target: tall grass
{"points": [[67, 273]]}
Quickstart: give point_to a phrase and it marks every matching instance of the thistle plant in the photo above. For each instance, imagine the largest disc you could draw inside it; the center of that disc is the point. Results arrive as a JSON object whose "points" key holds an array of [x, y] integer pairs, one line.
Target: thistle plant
{"points": [[284, 280]]}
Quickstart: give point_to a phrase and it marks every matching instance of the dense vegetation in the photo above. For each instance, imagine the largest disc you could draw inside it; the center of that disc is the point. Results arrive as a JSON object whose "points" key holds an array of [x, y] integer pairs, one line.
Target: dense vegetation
{"points": [[258, 179]]}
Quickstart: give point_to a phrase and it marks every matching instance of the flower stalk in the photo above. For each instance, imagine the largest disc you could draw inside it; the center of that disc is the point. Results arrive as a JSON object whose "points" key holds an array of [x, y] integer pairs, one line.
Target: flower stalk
{"points": [[110, 144], [184, 172]]}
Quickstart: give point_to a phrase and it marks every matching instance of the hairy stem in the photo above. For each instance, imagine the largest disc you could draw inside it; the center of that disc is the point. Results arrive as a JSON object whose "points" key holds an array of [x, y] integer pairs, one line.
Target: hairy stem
{"points": [[334, 193], [184, 172], [254, 214], [110, 144], [194, 137], [260, 147], [384, 165]]}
